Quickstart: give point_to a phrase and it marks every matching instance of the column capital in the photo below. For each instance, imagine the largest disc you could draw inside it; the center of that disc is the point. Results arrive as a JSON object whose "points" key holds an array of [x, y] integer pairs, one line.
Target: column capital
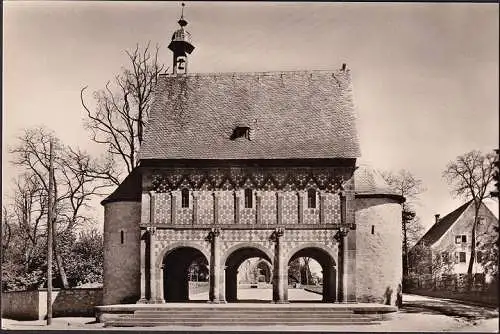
{"points": [[213, 234], [342, 232], [151, 229], [277, 234]]}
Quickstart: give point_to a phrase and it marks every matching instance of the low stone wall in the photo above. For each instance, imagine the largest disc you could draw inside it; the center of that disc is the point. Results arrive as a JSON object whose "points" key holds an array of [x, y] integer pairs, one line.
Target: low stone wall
{"points": [[32, 305]]}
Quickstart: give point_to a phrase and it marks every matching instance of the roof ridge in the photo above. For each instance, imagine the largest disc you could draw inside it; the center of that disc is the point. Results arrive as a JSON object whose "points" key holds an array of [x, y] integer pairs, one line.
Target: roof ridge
{"points": [[263, 73]]}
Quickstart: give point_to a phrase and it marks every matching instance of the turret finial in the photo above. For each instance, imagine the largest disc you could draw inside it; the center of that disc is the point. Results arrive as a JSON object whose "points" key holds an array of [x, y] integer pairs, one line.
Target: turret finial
{"points": [[182, 22]]}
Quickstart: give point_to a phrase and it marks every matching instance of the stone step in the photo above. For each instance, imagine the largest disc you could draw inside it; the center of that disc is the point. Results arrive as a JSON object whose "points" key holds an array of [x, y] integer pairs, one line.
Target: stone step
{"points": [[246, 316], [241, 322], [249, 318], [229, 311]]}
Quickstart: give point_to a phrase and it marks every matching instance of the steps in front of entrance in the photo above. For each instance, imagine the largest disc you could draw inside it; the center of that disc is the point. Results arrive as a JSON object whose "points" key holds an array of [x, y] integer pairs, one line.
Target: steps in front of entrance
{"points": [[272, 315]]}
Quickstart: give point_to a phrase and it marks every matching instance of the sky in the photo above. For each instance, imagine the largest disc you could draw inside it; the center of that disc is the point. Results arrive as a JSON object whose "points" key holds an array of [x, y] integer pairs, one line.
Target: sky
{"points": [[425, 75]]}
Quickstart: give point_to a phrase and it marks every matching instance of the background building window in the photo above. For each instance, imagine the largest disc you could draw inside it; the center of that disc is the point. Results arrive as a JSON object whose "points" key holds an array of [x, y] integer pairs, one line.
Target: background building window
{"points": [[461, 257], [248, 198], [461, 239], [311, 199], [185, 198], [479, 256], [122, 237]]}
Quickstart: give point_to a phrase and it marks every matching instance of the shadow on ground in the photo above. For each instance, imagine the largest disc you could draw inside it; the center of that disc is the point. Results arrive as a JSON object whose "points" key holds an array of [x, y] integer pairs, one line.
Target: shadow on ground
{"points": [[449, 308]]}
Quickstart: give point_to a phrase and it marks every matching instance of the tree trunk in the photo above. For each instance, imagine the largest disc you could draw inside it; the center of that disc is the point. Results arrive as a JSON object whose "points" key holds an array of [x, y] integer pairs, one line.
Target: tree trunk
{"points": [[59, 261], [473, 246]]}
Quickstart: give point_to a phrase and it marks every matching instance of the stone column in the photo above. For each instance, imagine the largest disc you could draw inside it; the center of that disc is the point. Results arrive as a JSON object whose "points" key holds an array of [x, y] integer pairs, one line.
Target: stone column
{"points": [[195, 208], [322, 207], [215, 268], [143, 299], [280, 275], [216, 207], [258, 210], [154, 272], [173, 208], [279, 207], [152, 207], [341, 238], [236, 207], [300, 211]]}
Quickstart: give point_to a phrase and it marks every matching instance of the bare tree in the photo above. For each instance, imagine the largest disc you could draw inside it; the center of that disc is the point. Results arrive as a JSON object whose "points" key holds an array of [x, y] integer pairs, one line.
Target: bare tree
{"points": [[121, 110], [407, 185], [74, 185], [471, 176]]}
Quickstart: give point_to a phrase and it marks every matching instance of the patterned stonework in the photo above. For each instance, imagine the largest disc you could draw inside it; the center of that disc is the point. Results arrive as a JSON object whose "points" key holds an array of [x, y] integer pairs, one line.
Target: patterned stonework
{"points": [[326, 179]]}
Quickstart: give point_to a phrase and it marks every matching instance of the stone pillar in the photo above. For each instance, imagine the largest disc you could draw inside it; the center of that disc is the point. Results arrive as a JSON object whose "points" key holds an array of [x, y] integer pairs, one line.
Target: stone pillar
{"points": [[144, 287], [216, 207], [280, 275], [215, 267], [341, 238], [173, 208], [236, 207], [152, 207], [258, 208], [322, 207], [154, 295], [195, 208], [279, 208], [300, 211]]}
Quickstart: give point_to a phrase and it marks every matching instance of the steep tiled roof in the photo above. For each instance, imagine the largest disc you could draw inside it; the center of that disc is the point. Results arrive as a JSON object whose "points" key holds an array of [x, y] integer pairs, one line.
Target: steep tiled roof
{"points": [[292, 115], [443, 224], [128, 191], [368, 181]]}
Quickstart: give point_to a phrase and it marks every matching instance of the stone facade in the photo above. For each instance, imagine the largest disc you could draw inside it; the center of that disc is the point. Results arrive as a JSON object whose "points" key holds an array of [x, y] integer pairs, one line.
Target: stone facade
{"points": [[122, 252], [378, 237], [365, 268]]}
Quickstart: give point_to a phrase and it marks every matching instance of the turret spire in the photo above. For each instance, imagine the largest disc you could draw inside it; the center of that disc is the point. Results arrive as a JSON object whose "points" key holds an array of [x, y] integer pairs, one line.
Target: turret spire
{"points": [[181, 46]]}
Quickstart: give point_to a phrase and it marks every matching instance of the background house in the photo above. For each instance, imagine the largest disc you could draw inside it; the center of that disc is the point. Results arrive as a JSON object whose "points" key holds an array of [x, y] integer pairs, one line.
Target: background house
{"points": [[446, 247]]}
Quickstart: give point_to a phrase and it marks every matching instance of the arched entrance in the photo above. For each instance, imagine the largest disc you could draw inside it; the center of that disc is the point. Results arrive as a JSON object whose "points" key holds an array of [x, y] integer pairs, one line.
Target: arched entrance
{"points": [[233, 263], [327, 283], [179, 266]]}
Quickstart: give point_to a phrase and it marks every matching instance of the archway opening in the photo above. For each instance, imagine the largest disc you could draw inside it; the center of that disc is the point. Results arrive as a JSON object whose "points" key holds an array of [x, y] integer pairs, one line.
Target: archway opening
{"points": [[311, 276], [185, 275], [248, 275]]}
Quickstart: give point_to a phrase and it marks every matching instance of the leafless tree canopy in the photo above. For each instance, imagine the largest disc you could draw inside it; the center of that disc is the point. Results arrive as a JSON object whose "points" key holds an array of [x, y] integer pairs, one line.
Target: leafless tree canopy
{"points": [[470, 176], [122, 109], [73, 185]]}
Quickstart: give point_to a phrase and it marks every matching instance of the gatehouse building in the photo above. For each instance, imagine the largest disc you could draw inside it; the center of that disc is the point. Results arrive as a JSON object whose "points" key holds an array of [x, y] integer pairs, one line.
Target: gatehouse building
{"points": [[241, 165]]}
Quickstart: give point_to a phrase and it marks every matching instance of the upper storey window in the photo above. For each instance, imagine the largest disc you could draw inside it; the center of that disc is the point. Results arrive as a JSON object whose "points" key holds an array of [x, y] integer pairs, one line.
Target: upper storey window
{"points": [[248, 198], [185, 198], [311, 199]]}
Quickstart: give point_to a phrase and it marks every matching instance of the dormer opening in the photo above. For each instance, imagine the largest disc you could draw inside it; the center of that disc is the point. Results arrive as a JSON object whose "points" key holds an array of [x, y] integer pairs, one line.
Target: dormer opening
{"points": [[241, 131]]}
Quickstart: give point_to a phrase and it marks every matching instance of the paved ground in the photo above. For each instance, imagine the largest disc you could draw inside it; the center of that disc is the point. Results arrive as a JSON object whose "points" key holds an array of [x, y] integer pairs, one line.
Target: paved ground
{"points": [[246, 295], [419, 314]]}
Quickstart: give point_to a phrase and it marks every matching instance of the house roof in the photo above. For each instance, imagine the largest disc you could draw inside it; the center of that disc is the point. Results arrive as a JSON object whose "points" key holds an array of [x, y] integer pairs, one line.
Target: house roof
{"points": [[438, 229], [291, 115]]}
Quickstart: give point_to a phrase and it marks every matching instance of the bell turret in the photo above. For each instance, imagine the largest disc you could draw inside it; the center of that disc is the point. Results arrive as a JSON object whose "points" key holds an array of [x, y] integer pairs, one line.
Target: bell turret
{"points": [[181, 46]]}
